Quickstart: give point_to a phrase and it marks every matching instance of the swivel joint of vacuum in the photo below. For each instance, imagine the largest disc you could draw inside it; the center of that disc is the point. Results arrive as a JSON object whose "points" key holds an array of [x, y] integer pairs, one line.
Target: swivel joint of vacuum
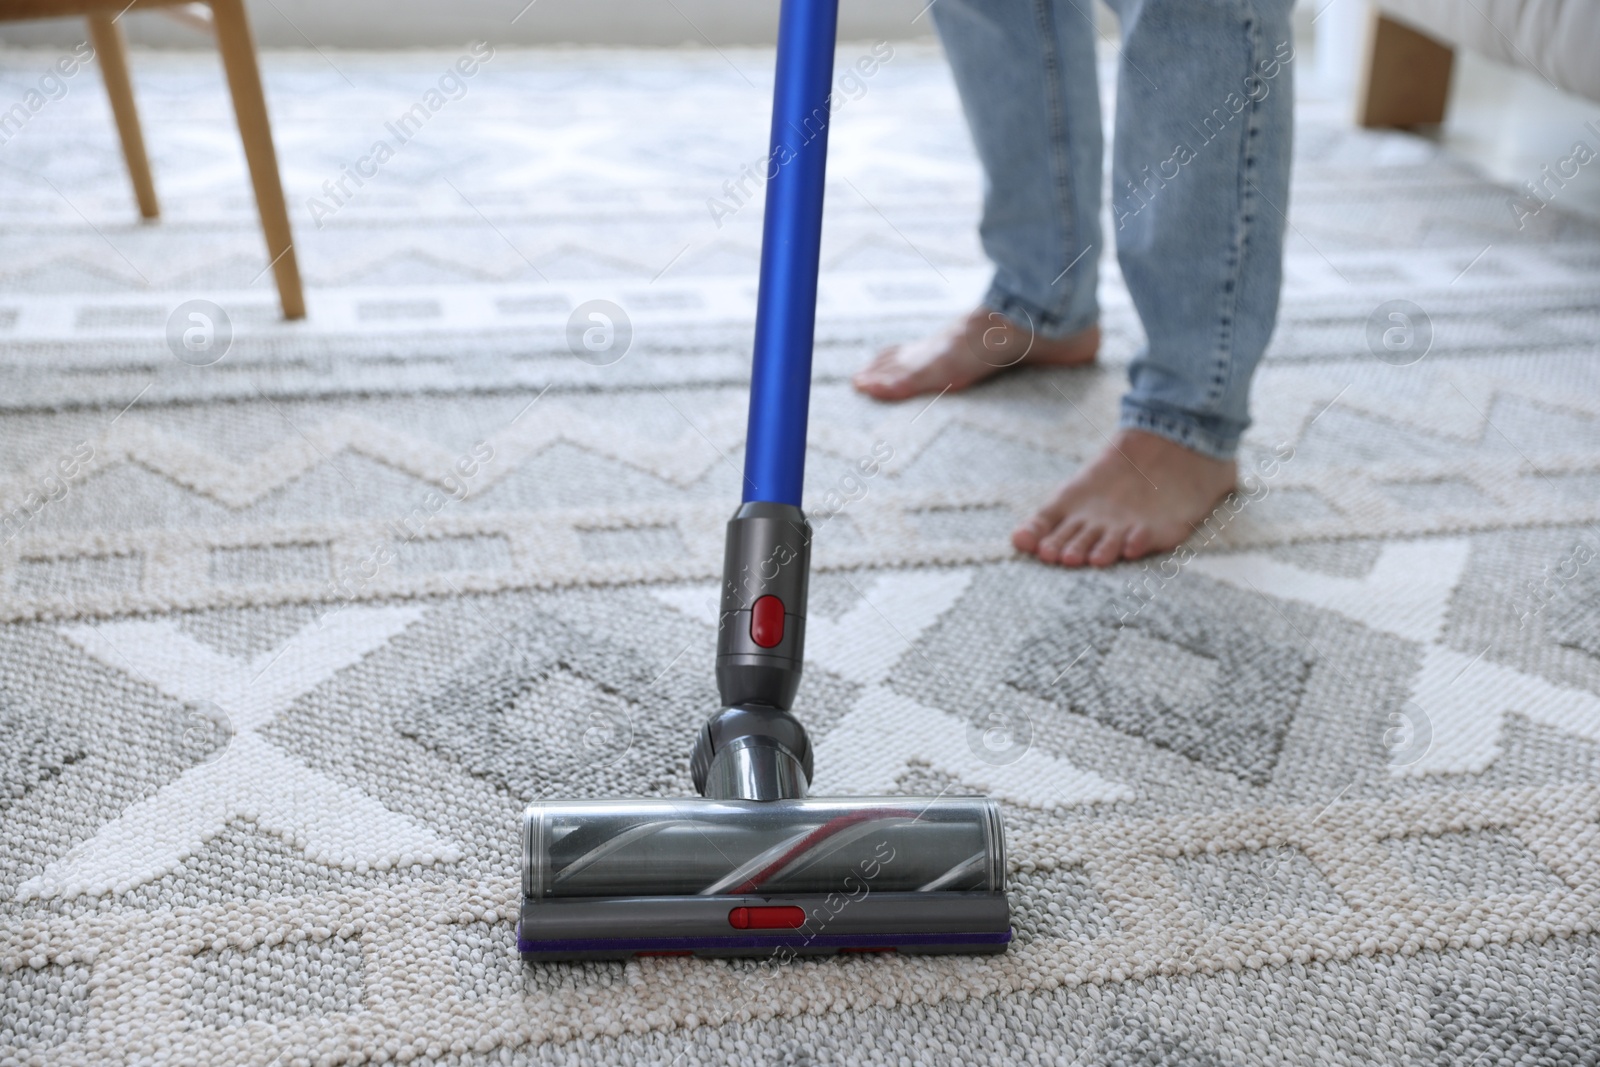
{"points": [[752, 754], [754, 749]]}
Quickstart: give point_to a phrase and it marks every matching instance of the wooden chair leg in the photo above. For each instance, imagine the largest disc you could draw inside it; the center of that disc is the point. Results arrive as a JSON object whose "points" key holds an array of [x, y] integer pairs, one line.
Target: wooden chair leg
{"points": [[1407, 77], [238, 50], [112, 52]]}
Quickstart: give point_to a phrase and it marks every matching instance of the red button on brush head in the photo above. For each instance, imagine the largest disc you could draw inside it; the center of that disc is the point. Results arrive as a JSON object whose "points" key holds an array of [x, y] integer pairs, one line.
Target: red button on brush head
{"points": [[775, 917], [766, 621]]}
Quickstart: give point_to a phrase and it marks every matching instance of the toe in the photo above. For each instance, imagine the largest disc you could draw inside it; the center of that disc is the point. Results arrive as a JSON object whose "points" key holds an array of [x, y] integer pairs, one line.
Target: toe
{"points": [[1137, 544], [1027, 536], [1050, 545], [887, 382], [879, 373], [1076, 551], [1108, 549]]}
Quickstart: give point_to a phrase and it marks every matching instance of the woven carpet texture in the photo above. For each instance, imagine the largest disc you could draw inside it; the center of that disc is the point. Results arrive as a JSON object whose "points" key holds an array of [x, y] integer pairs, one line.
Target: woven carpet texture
{"points": [[289, 638]]}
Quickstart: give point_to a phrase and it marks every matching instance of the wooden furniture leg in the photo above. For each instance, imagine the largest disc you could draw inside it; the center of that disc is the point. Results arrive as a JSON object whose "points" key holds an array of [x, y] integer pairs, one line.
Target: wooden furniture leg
{"points": [[1407, 76], [112, 52], [250, 108]]}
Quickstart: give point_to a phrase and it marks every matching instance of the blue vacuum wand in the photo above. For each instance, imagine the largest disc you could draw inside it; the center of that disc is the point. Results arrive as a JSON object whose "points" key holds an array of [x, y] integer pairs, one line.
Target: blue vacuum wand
{"points": [[754, 867], [761, 640]]}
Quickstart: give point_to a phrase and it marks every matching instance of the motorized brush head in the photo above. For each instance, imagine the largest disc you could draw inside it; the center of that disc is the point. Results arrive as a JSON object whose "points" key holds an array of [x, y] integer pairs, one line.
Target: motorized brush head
{"points": [[753, 867], [612, 879]]}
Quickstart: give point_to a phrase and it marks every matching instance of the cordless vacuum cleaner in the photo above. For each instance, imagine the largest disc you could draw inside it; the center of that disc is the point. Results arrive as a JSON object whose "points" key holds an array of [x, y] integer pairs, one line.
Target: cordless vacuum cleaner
{"points": [[753, 867]]}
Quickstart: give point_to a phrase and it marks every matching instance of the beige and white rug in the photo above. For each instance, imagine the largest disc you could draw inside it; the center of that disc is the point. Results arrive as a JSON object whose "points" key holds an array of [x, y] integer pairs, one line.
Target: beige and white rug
{"points": [[288, 639]]}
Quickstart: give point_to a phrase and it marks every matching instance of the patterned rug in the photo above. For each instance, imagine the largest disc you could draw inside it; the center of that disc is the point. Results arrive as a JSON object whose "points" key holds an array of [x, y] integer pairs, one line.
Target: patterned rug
{"points": [[292, 627]]}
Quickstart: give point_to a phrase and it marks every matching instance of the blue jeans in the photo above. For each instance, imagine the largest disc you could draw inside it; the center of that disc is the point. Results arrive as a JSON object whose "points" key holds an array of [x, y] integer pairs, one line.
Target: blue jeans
{"points": [[1199, 182]]}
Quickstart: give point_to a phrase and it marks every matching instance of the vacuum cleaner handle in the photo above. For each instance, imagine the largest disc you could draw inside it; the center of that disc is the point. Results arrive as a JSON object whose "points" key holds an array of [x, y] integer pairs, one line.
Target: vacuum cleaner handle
{"points": [[791, 248], [767, 557]]}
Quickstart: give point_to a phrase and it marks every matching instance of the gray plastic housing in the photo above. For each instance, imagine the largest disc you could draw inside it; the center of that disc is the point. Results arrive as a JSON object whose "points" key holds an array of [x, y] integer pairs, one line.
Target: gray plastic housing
{"points": [[768, 553], [751, 726], [609, 928], [610, 879]]}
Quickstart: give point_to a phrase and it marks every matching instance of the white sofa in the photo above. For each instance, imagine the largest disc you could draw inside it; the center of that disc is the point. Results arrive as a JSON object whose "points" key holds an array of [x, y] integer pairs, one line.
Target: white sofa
{"points": [[1409, 50]]}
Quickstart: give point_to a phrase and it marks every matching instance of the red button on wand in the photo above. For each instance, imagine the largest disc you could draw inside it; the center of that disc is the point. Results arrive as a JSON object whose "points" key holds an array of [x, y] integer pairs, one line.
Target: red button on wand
{"points": [[766, 621]]}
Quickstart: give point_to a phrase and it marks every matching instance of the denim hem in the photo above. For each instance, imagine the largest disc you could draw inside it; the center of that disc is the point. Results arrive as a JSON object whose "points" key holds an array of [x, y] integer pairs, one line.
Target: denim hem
{"points": [[1178, 427], [1026, 313]]}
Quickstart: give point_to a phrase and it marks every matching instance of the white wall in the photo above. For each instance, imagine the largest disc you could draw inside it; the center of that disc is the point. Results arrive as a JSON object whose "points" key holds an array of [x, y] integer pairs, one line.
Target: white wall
{"points": [[410, 23]]}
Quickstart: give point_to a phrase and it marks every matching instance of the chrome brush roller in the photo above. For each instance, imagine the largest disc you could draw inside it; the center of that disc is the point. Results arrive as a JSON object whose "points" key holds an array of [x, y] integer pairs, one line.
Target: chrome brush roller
{"points": [[608, 879], [753, 867]]}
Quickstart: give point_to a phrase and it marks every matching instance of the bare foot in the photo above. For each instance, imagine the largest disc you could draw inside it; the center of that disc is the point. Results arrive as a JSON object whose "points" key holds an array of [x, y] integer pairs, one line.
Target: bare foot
{"points": [[1143, 494], [983, 343]]}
